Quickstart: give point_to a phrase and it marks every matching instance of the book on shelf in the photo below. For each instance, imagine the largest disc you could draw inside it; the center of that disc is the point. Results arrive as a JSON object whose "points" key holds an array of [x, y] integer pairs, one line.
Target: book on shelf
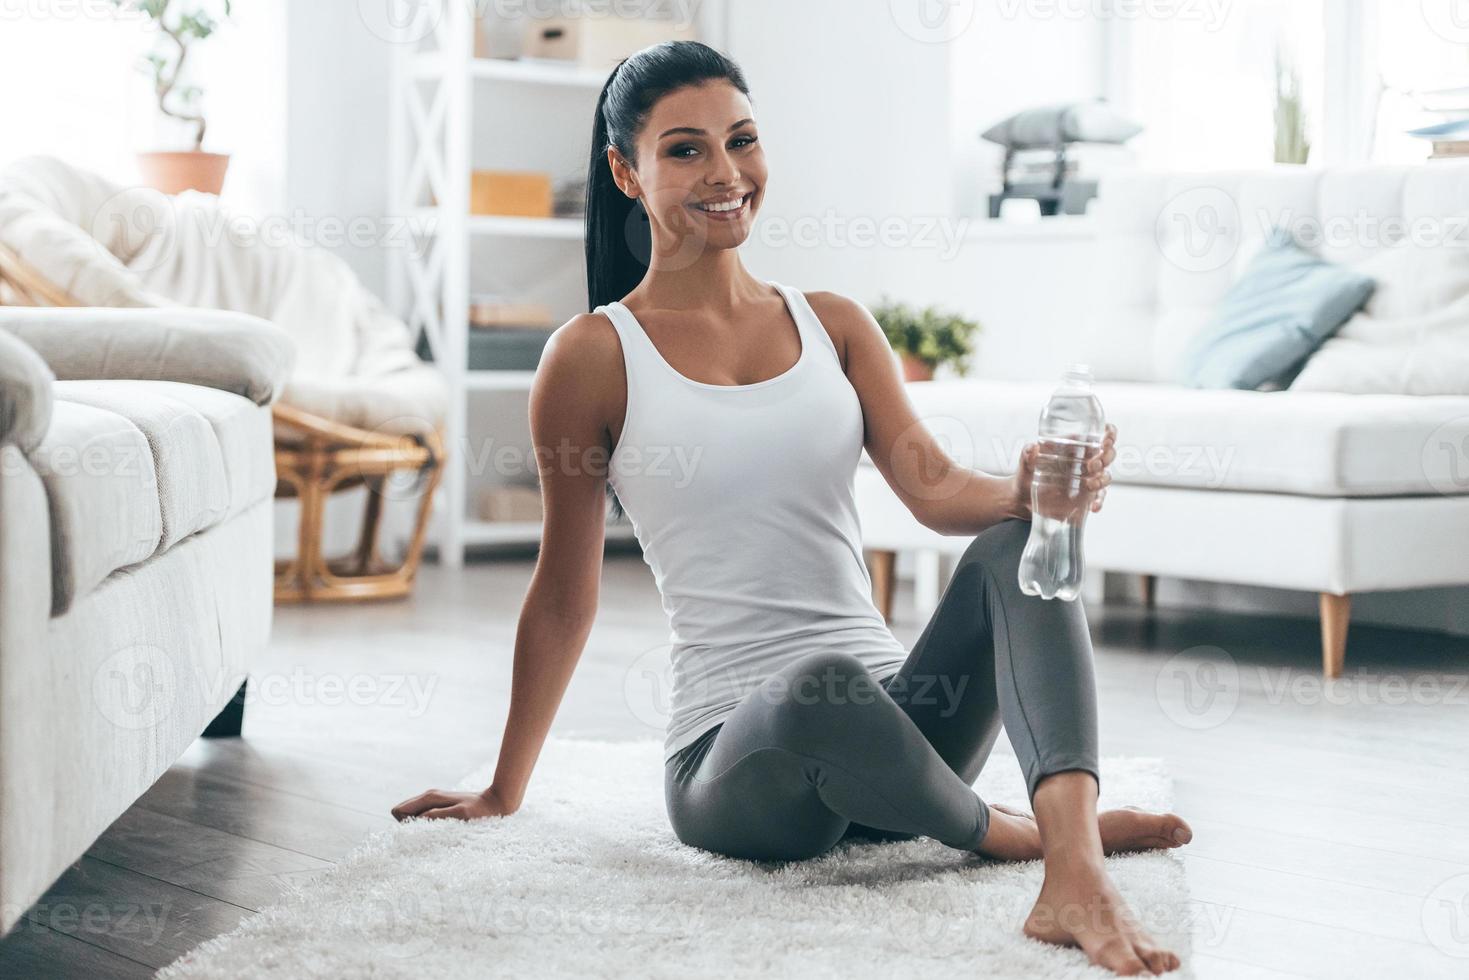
{"points": [[1449, 148], [494, 315]]}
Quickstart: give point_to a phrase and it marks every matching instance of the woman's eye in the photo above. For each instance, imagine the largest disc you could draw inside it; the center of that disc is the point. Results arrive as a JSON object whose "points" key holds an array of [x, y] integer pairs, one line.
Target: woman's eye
{"points": [[683, 150], [740, 141]]}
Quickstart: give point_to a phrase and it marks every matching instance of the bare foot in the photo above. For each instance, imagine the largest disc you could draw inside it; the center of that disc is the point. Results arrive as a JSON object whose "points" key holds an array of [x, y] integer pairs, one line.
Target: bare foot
{"points": [[1122, 831], [1079, 906], [1131, 829]]}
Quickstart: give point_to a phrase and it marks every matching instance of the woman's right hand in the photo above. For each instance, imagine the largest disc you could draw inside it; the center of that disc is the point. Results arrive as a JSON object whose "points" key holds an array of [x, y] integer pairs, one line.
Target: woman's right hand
{"points": [[439, 805]]}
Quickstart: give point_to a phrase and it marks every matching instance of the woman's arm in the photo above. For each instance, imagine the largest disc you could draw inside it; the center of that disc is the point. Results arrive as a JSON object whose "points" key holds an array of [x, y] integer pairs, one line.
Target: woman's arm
{"points": [[571, 399], [940, 493]]}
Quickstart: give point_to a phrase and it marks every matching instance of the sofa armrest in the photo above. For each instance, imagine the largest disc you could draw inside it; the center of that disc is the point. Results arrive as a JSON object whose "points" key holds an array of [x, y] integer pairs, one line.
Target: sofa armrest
{"points": [[229, 351], [25, 394]]}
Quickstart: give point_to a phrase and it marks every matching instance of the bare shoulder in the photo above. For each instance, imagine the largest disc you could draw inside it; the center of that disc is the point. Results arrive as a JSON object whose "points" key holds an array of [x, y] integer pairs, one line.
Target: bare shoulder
{"points": [[847, 321], [583, 348], [837, 308], [582, 364]]}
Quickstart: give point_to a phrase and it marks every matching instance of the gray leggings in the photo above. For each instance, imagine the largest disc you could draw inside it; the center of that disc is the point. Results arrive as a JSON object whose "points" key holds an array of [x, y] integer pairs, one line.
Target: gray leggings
{"points": [[821, 750]]}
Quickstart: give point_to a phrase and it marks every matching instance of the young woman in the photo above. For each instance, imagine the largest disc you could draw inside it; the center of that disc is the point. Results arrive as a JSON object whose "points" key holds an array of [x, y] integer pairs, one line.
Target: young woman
{"points": [[728, 414]]}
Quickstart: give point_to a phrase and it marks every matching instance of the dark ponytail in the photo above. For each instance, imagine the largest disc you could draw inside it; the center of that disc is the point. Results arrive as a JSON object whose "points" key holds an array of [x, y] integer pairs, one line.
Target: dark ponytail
{"points": [[618, 242]]}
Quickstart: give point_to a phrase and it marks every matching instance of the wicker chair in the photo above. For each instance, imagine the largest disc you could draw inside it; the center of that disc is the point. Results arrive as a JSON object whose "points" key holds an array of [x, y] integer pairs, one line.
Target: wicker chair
{"points": [[328, 439]]}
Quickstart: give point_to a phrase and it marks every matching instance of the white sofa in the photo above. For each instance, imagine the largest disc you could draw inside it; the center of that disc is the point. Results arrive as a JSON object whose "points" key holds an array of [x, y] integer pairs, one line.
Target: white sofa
{"points": [[1320, 491], [136, 478]]}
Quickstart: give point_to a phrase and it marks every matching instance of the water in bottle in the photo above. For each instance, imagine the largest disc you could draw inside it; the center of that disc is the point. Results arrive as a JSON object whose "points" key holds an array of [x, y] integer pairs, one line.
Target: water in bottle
{"points": [[1071, 431]]}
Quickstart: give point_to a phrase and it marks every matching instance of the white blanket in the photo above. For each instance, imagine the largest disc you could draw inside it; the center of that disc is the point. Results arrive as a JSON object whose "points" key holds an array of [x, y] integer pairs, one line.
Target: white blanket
{"points": [[355, 361]]}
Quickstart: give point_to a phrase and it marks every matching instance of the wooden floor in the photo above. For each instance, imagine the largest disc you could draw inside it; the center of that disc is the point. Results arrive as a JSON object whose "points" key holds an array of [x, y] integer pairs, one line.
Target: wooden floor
{"points": [[1325, 816]]}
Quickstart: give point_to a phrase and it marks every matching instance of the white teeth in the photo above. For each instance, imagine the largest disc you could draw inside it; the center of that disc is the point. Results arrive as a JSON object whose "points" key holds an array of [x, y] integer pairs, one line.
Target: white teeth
{"points": [[734, 205]]}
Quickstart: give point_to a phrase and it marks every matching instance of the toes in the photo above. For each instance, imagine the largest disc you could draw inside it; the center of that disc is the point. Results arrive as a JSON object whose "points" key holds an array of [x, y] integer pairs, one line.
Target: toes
{"points": [[1117, 955], [1157, 960]]}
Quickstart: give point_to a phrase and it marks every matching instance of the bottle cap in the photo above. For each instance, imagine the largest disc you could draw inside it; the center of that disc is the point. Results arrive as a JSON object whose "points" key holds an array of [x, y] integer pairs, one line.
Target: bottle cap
{"points": [[1079, 371]]}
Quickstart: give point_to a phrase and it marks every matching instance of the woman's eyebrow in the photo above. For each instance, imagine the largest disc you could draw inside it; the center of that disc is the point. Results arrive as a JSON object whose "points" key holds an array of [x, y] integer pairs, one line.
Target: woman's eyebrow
{"points": [[700, 132]]}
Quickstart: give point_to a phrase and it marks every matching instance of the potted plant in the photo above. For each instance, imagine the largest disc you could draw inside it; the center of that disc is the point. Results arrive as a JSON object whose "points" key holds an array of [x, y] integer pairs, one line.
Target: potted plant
{"points": [[925, 338], [1291, 144], [179, 27]]}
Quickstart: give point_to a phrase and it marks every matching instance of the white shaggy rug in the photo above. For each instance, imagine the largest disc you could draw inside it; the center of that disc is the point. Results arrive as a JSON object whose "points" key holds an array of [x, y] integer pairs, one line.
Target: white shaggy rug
{"points": [[588, 880]]}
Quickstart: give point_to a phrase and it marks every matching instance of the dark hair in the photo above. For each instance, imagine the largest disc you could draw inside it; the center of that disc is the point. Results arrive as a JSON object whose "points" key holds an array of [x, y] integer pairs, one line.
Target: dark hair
{"points": [[618, 240]]}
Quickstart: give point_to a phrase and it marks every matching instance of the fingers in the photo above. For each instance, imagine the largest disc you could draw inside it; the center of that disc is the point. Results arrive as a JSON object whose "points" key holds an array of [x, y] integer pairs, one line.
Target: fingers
{"points": [[456, 812], [424, 801], [1027, 456]]}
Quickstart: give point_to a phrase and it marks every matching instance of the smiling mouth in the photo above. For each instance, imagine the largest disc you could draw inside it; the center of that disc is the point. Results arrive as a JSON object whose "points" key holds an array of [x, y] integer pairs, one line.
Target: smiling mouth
{"points": [[725, 210]]}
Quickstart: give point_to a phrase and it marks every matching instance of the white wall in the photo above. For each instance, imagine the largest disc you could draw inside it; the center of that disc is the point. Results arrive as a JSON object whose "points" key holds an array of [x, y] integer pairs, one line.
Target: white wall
{"points": [[72, 90], [337, 120], [1013, 58]]}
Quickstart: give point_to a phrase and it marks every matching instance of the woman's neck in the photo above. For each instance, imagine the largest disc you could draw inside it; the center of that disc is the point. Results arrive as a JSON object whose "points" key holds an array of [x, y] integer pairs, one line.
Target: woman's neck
{"points": [[717, 281]]}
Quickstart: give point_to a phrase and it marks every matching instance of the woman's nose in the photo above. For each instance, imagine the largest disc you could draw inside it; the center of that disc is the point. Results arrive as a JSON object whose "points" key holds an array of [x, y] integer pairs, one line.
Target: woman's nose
{"points": [[722, 170]]}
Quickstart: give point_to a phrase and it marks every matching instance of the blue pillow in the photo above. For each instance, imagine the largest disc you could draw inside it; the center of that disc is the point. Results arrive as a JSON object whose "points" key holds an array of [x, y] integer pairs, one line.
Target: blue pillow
{"points": [[1284, 306]]}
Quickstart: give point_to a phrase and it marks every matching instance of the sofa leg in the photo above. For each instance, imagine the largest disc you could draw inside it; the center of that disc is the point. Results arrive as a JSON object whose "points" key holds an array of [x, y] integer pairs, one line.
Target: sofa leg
{"points": [[1336, 610], [1150, 590], [231, 718], [882, 565]]}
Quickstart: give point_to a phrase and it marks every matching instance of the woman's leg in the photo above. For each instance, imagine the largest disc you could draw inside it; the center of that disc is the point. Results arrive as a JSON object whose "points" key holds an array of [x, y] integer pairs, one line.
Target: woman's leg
{"points": [[992, 654], [819, 749], [817, 745]]}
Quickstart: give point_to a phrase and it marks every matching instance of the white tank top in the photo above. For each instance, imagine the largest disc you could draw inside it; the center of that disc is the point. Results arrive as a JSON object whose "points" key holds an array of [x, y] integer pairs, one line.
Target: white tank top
{"points": [[741, 497]]}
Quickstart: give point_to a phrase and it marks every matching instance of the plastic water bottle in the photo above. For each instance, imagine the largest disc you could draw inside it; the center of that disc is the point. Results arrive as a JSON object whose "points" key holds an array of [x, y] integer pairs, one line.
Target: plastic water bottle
{"points": [[1071, 430]]}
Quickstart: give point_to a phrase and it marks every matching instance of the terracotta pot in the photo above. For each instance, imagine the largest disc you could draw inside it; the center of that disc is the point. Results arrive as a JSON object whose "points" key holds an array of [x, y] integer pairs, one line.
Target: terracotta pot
{"points": [[916, 370], [186, 170]]}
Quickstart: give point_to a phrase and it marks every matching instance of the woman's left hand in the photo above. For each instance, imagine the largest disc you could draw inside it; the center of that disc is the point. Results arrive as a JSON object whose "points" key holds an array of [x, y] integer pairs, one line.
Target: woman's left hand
{"points": [[1098, 476]]}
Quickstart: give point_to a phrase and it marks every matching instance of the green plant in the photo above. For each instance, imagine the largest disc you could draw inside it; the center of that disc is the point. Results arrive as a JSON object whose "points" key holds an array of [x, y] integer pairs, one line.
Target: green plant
{"points": [[1291, 145], [928, 335], [179, 26]]}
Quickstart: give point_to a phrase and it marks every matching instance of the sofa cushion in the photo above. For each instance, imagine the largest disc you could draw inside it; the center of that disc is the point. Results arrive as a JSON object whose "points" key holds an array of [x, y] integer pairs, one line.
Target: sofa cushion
{"points": [[404, 403], [167, 460], [1316, 443], [1281, 309], [102, 490]]}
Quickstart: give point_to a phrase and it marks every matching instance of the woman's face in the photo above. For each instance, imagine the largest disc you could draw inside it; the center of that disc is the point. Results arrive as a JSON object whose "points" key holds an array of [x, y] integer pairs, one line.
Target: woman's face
{"points": [[700, 172]]}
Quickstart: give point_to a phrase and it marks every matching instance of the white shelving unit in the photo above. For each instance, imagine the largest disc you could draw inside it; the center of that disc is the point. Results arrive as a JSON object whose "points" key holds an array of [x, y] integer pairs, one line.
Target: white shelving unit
{"points": [[436, 87]]}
